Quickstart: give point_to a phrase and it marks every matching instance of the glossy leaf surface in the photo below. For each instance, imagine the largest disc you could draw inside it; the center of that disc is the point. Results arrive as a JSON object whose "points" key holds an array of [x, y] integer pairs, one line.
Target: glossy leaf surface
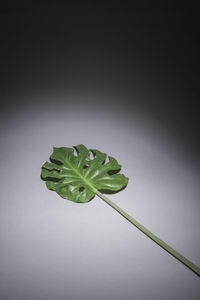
{"points": [[77, 173]]}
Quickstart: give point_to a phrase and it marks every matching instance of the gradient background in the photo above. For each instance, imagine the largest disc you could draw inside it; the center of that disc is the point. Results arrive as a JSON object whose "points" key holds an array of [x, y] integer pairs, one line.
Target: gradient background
{"points": [[125, 81]]}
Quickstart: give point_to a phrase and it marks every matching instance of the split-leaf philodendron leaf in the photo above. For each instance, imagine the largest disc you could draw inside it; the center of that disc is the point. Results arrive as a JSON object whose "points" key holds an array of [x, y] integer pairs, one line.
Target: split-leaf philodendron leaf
{"points": [[76, 177], [79, 174]]}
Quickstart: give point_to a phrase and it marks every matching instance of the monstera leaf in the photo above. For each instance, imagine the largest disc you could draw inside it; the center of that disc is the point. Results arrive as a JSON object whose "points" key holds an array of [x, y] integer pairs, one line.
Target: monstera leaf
{"points": [[79, 174], [77, 177]]}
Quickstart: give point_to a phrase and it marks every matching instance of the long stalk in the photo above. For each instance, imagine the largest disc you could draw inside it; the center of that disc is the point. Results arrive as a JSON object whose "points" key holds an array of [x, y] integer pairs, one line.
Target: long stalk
{"points": [[152, 236]]}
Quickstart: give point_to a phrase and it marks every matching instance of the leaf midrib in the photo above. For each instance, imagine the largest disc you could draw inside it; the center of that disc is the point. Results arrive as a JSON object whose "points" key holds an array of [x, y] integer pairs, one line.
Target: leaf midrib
{"points": [[79, 174]]}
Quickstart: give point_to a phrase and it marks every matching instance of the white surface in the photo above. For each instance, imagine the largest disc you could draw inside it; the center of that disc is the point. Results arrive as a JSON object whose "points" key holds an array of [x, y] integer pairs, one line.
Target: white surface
{"points": [[56, 249]]}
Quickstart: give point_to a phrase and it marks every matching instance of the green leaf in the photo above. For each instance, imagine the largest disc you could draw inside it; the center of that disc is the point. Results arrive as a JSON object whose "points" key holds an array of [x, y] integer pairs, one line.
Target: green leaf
{"points": [[77, 177]]}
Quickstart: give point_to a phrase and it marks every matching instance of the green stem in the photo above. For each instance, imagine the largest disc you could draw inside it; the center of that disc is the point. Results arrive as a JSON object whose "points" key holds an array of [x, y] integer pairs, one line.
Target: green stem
{"points": [[162, 244]]}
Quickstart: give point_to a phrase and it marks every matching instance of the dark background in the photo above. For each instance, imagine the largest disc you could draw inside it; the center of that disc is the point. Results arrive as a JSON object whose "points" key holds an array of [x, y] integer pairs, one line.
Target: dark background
{"points": [[123, 79], [145, 56]]}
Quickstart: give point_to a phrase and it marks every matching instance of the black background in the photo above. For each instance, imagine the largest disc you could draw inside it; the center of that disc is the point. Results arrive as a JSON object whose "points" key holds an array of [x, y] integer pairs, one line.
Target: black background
{"points": [[123, 79], [144, 55]]}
